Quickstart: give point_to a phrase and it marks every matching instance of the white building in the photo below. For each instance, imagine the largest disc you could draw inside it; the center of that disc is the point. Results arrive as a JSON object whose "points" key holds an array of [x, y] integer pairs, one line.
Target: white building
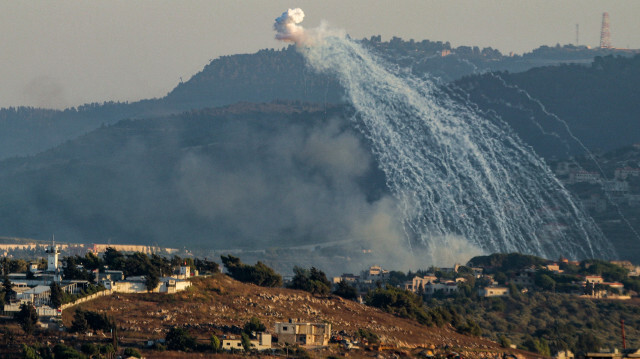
{"points": [[493, 292], [232, 344]]}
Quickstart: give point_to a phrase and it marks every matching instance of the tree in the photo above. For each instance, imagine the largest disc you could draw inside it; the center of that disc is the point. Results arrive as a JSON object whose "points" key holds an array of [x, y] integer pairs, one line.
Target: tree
{"points": [[131, 352], [215, 344], [346, 291], [504, 341], [259, 274], [246, 342], [56, 295], [310, 280], [545, 282], [27, 317], [254, 325], [151, 280], [63, 351], [206, 266], [113, 258], [7, 286], [91, 261], [587, 342], [179, 339], [97, 321], [29, 352], [90, 349], [79, 324]]}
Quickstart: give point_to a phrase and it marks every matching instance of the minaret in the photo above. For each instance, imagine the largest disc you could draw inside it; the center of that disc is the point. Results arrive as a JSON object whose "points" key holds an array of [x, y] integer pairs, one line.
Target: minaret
{"points": [[52, 256]]}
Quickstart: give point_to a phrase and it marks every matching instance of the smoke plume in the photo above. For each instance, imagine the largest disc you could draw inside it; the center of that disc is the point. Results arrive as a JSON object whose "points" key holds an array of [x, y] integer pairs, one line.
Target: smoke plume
{"points": [[287, 27]]}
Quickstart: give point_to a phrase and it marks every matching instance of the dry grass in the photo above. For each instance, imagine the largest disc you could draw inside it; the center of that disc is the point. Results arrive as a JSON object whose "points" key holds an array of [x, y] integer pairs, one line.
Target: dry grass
{"points": [[218, 301]]}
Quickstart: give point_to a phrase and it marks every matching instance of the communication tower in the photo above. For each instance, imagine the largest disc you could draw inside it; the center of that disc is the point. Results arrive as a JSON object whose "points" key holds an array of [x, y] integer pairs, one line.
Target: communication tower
{"points": [[605, 35]]}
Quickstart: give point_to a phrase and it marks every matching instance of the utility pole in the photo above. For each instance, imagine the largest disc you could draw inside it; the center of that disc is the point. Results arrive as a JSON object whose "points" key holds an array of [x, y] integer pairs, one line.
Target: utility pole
{"points": [[624, 340]]}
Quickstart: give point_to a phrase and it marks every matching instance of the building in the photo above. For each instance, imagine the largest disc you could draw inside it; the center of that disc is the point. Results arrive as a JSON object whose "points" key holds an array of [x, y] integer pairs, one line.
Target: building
{"points": [[564, 354], [137, 285], [596, 279], [493, 292], [554, 267], [374, 273], [303, 334], [615, 354], [615, 187], [346, 277], [262, 342], [232, 344], [624, 173], [185, 272], [584, 176], [420, 282], [524, 278]]}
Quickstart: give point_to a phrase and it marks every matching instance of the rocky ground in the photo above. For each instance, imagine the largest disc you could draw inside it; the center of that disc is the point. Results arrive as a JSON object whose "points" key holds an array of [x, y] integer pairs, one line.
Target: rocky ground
{"points": [[220, 305]]}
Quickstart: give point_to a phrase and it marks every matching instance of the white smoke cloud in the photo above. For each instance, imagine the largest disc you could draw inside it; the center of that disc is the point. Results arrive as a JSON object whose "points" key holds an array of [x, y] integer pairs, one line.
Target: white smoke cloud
{"points": [[287, 27]]}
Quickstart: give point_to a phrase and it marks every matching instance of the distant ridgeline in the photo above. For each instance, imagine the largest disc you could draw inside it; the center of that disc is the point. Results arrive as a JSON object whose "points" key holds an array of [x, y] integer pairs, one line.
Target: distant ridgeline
{"points": [[558, 109], [275, 75]]}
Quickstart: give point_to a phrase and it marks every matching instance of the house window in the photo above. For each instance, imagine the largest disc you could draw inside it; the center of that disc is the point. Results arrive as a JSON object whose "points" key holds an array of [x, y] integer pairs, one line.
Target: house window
{"points": [[284, 329]]}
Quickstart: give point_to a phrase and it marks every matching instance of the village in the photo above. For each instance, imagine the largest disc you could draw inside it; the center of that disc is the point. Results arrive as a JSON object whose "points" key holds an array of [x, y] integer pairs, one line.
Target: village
{"points": [[598, 190], [495, 276]]}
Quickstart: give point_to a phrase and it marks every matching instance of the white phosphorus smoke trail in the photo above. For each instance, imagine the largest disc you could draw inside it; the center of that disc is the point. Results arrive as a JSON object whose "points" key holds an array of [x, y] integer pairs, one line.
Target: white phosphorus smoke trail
{"points": [[453, 171]]}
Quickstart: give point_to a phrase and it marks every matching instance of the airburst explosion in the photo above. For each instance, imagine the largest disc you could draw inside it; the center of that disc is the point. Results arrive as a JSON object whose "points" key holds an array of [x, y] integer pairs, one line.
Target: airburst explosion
{"points": [[453, 172]]}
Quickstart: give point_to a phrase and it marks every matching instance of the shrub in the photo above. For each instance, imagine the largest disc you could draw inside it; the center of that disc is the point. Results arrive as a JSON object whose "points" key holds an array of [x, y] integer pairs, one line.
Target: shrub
{"points": [[89, 349], [370, 336], [131, 352]]}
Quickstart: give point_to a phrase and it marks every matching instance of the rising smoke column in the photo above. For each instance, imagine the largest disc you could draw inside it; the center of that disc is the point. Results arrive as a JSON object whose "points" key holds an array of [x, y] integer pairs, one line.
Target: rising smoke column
{"points": [[453, 172]]}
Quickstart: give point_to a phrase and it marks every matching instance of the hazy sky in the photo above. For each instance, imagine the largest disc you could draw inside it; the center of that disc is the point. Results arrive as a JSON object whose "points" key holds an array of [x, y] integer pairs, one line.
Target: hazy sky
{"points": [[65, 53]]}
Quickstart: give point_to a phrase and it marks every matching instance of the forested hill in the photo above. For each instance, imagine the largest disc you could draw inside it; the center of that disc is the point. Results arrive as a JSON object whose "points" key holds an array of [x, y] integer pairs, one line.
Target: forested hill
{"points": [[556, 108], [250, 173], [263, 77]]}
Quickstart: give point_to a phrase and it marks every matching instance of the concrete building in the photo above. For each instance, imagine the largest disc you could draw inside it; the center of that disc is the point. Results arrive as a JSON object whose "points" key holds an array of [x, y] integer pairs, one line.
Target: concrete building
{"points": [[303, 334], [493, 292], [262, 342], [420, 282], [232, 344]]}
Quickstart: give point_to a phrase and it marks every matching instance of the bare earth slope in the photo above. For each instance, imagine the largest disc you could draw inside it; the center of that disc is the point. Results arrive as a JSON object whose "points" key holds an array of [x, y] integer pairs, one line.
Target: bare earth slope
{"points": [[216, 304]]}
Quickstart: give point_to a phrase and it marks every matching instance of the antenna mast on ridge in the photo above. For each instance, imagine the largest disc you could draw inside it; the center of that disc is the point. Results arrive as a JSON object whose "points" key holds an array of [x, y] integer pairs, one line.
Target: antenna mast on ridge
{"points": [[605, 35]]}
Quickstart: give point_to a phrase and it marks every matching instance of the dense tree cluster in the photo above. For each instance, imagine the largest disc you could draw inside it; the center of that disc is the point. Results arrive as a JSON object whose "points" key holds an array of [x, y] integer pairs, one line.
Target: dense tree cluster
{"points": [[84, 320], [259, 274], [345, 290], [310, 280]]}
